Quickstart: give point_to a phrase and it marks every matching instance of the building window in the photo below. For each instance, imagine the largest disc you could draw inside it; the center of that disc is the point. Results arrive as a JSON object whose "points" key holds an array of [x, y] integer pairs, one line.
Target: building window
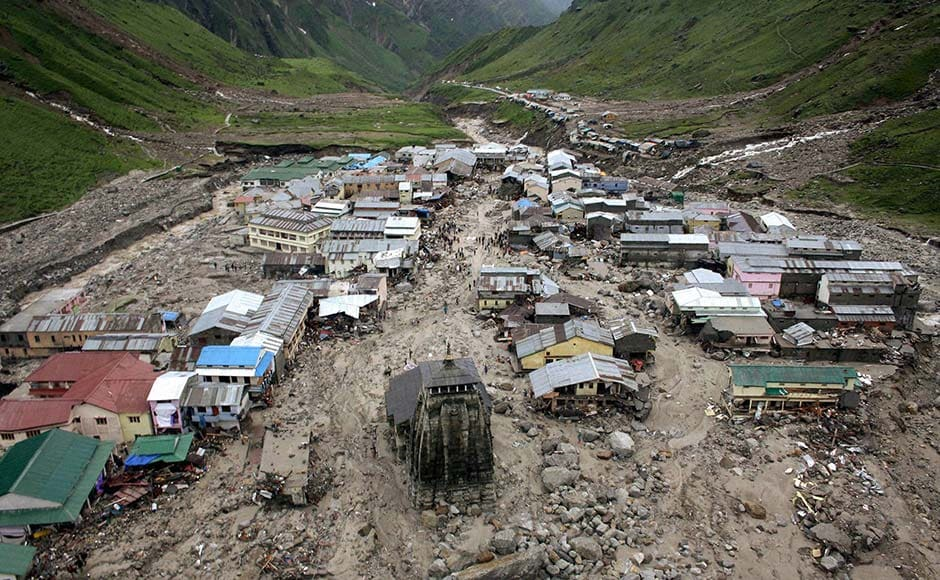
{"points": [[32, 433], [133, 419], [77, 420], [101, 420], [226, 408], [7, 436]]}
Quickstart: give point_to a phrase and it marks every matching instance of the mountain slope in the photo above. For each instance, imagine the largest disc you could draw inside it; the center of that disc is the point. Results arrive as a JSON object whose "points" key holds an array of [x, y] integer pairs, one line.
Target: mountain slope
{"points": [[679, 48], [172, 35], [73, 80], [386, 41]]}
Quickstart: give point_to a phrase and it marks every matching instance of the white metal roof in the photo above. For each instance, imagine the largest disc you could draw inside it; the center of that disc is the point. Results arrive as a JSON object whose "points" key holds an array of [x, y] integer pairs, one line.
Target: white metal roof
{"points": [[169, 386], [349, 305], [703, 276], [236, 301], [774, 219], [581, 369]]}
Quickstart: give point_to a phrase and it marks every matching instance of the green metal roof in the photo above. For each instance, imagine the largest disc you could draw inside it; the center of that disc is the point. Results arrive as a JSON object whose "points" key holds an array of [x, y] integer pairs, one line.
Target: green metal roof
{"points": [[760, 375], [16, 560], [288, 170], [168, 448], [57, 467]]}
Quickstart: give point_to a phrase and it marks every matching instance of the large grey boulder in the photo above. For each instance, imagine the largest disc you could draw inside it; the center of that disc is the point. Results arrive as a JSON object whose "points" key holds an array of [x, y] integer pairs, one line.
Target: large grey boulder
{"points": [[587, 548], [621, 444], [556, 477]]}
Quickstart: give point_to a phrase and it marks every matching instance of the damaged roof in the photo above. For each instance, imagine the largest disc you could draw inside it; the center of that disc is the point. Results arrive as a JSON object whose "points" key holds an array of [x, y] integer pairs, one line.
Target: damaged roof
{"points": [[559, 333], [581, 369]]}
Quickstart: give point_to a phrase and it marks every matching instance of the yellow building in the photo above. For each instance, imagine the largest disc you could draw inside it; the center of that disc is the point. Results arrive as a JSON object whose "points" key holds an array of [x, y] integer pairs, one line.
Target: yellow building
{"points": [[563, 341], [49, 334], [287, 230]]}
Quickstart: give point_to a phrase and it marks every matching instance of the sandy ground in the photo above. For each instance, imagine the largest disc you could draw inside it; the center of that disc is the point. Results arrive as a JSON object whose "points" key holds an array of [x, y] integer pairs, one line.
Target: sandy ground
{"points": [[364, 527], [698, 470]]}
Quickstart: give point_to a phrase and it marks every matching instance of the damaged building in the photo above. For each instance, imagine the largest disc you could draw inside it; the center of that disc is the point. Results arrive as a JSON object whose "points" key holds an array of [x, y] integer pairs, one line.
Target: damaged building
{"points": [[589, 382], [439, 413]]}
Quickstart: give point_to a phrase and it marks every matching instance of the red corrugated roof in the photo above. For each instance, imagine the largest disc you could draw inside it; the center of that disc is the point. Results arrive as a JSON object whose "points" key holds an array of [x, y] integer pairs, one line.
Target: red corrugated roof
{"points": [[23, 414], [72, 366], [120, 388]]}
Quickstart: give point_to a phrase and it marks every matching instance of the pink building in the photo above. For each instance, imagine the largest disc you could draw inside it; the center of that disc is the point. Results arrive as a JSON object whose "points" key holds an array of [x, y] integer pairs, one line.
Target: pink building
{"points": [[760, 284]]}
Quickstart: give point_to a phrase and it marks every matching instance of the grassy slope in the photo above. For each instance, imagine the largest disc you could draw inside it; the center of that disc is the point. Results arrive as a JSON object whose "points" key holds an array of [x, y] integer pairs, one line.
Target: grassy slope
{"points": [[887, 181], [374, 129], [344, 32], [889, 66], [48, 55], [48, 161], [174, 35], [482, 51], [677, 48]]}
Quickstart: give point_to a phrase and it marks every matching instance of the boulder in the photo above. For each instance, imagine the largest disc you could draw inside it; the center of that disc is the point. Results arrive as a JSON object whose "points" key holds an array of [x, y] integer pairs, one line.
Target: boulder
{"points": [[621, 444], [832, 562], [832, 536], [587, 548], [438, 569], [525, 564], [556, 477], [589, 435], [755, 510], [504, 542]]}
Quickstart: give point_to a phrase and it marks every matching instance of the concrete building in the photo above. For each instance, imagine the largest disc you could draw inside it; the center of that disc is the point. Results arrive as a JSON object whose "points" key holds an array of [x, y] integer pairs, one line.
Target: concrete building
{"points": [[216, 405], [58, 332], [586, 384], [654, 222], [788, 387], [285, 230], [561, 341], [13, 341], [632, 340], [165, 400], [499, 286], [402, 228], [677, 250], [249, 366], [21, 419], [49, 479], [357, 229], [380, 185], [224, 318]]}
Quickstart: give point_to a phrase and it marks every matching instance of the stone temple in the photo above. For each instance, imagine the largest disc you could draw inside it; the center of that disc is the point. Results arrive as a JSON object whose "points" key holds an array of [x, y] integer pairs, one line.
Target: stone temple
{"points": [[439, 413]]}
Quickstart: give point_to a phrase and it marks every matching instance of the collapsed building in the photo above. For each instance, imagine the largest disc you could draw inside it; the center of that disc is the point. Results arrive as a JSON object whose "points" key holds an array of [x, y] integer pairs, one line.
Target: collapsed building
{"points": [[792, 387], [589, 382], [439, 414]]}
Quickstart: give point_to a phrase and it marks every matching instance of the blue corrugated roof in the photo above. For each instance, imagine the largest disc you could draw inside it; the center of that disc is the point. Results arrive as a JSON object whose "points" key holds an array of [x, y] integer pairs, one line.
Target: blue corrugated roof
{"points": [[374, 162], [169, 316], [265, 364], [229, 356]]}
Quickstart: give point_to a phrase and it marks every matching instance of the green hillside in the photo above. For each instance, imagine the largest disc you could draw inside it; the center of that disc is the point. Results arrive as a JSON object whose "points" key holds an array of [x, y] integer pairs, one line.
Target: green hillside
{"points": [[48, 161], [890, 65], [188, 44], [894, 173], [676, 48], [45, 53], [389, 42]]}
